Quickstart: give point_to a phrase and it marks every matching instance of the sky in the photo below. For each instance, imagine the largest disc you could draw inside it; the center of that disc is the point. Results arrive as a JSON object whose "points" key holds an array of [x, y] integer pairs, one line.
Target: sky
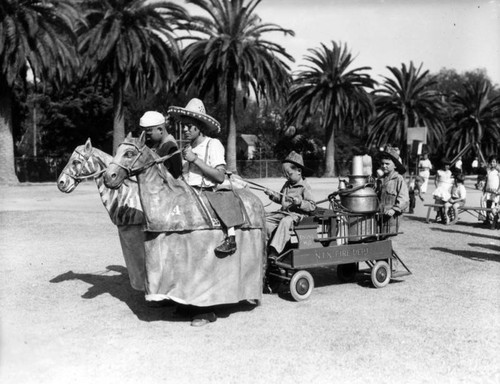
{"points": [[456, 34]]}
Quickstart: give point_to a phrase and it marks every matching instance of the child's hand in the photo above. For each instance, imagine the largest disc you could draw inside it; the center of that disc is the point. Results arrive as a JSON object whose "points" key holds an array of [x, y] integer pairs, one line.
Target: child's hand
{"points": [[269, 193], [297, 200]]}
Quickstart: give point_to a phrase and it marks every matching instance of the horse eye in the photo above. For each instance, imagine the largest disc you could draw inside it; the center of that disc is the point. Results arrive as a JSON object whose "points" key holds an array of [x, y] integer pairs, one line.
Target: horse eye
{"points": [[129, 154], [76, 163]]}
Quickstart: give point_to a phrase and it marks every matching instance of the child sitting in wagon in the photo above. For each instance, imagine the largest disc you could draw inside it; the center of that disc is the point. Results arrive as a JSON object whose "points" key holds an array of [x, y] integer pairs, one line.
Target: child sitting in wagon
{"points": [[296, 201]]}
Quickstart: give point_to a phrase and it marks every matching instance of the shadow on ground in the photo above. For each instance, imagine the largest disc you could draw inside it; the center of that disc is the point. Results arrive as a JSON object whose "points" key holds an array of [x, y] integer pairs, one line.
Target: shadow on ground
{"points": [[118, 286], [494, 235], [471, 255]]}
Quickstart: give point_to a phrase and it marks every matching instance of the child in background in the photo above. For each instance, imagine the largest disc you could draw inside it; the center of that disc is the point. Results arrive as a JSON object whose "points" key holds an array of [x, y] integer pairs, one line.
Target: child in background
{"points": [[296, 201], [458, 196], [414, 189], [491, 191]]}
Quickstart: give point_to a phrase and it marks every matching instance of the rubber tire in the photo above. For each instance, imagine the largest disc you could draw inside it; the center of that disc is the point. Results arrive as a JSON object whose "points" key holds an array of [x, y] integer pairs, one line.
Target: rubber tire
{"points": [[301, 285], [346, 273], [381, 274]]}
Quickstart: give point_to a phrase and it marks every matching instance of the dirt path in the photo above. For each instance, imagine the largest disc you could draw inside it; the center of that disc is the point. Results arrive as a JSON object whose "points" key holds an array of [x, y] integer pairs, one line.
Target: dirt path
{"points": [[69, 315]]}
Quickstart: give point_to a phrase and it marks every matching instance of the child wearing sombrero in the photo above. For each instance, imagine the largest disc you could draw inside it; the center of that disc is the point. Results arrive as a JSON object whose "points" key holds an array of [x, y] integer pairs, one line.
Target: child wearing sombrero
{"points": [[296, 201]]}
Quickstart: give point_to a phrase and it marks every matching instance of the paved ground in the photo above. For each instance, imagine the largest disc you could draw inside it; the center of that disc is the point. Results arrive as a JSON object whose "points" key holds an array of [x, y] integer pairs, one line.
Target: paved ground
{"points": [[68, 314]]}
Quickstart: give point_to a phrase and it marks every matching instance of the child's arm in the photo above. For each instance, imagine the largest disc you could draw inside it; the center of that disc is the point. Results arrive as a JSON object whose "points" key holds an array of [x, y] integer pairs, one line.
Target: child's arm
{"points": [[305, 202]]}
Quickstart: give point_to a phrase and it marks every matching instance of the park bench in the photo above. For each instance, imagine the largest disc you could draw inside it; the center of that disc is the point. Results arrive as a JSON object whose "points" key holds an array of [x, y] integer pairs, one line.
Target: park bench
{"points": [[476, 212]]}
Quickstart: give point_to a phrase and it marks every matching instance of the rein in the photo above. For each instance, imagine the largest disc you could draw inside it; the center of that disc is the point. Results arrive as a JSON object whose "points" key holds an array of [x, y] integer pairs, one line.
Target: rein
{"points": [[133, 172]]}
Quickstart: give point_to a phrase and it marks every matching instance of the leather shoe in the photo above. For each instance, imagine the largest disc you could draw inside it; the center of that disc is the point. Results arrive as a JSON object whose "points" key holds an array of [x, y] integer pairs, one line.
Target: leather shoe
{"points": [[228, 246], [203, 319]]}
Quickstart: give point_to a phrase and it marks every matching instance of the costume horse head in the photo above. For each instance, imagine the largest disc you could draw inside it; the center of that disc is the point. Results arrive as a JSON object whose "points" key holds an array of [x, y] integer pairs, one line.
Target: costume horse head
{"points": [[181, 234], [123, 204], [84, 163]]}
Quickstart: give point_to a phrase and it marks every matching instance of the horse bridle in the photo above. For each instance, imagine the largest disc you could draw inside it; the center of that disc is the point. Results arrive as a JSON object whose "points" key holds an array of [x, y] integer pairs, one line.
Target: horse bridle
{"points": [[130, 170], [133, 172], [77, 178]]}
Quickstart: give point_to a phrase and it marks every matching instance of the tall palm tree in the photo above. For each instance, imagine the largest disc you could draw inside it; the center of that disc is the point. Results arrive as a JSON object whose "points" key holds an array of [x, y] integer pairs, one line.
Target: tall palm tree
{"points": [[231, 53], [475, 119], [130, 44], [408, 100], [38, 36], [328, 88]]}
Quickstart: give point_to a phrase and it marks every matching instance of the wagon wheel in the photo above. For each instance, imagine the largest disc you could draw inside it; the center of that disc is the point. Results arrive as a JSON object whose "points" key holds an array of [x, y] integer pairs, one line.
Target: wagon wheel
{"points": [[381, 274], [301, 285], [347, 272]]}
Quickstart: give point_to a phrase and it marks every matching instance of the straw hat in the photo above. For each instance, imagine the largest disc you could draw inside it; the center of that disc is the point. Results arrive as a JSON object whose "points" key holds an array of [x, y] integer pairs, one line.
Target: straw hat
{"points": [[196, 110], [392, 154], [151, 119], [296, 159]]}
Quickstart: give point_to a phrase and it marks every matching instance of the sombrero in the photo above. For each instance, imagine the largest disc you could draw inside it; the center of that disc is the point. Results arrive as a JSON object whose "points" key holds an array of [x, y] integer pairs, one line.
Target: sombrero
{"points": [[391, 153], [296, 159], [196, 110]]}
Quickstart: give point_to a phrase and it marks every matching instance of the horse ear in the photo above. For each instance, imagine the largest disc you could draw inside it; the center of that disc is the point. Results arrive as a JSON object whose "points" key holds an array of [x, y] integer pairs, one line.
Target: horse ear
{"points": [[88, 146], [129, 136], [142, 139]]}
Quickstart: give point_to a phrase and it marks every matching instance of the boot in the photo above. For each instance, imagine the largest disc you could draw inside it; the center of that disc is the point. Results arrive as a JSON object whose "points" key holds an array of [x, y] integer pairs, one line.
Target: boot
{"points": [[228, 246]]}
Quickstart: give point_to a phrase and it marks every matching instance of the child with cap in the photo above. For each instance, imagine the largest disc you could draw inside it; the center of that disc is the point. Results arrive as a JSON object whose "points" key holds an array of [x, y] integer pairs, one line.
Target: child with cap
{"points": [[296, 201], [392, 189], [160, 141]]}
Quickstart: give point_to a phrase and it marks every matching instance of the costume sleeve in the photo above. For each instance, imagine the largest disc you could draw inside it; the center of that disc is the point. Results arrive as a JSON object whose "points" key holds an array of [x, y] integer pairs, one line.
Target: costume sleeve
{"points": [[403, 197], [216, 155], [174, 164], [308, 204]]}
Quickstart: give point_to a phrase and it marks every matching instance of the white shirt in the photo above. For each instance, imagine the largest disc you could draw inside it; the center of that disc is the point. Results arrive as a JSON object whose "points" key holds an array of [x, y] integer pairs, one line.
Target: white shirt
{"points": [[458, 164], [212, 152]]}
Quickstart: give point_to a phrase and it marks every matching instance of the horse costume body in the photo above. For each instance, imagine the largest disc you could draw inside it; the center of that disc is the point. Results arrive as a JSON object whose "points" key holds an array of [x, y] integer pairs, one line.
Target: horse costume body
{"points": [[182, 232], [123, 205]]}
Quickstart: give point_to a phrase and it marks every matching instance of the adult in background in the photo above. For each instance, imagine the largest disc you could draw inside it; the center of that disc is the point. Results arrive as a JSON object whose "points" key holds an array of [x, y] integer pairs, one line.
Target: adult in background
{"points": [[458, 166], [160, 141], [424, 170], [392, 189], [475, 165]]}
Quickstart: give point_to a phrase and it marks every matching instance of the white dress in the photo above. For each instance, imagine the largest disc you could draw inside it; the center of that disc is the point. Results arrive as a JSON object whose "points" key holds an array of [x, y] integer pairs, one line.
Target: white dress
{"points": [[424, 167], [445, 183]]}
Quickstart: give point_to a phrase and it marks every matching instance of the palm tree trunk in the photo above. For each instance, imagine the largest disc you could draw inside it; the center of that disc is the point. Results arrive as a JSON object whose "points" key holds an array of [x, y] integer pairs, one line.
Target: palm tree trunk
{"points": [[118, 117], [231, 137], [7, 166], [330, 152]]}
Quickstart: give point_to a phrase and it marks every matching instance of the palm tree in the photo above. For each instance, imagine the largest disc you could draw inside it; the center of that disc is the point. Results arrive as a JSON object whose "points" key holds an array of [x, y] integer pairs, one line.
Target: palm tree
{"points": [[406, 101], [130, 44], [328, 88], [475, 119], [232, 54], [38, 36]]}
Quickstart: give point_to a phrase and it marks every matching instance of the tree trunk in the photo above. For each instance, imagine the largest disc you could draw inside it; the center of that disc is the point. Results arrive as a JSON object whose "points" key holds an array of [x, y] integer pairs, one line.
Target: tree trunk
{"points": [[7, 166], [118, 117], [231, 136], [330, 152]]}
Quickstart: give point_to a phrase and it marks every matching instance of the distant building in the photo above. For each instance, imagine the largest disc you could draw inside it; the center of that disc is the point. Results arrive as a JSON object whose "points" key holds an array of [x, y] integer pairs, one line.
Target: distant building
{"points": [[247, 145]]}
